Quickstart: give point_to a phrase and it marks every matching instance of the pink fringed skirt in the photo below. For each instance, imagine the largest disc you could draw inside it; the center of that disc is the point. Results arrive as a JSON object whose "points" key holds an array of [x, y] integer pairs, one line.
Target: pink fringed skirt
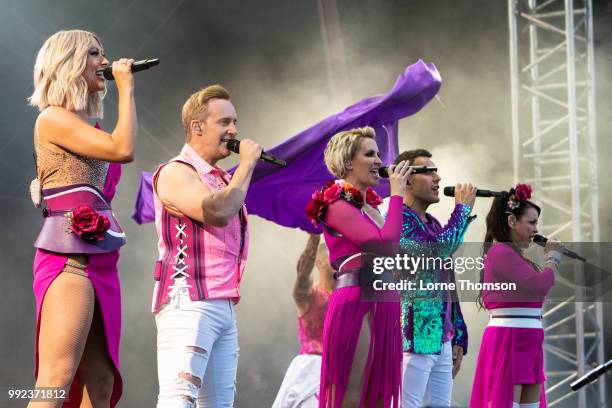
{"points": [[102, 272], [382, 376], [508, 356]]}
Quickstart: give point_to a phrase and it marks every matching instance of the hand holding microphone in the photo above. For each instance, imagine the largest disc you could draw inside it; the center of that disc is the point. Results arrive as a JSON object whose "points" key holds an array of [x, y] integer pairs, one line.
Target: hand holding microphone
{"points": [[121, 72], [552, 245], [119, 66], [398, 177], [465, 194], [234, 145], [249, 151]]}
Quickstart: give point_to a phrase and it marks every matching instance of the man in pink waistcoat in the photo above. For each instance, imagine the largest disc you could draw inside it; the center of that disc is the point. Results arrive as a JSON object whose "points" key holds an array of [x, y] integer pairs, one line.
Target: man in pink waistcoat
{"points": [[201, 224]]}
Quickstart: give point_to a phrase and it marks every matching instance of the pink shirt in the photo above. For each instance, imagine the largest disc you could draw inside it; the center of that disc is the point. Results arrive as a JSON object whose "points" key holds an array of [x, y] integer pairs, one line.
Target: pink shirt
{"points": [[504, 265], [212, 259]]}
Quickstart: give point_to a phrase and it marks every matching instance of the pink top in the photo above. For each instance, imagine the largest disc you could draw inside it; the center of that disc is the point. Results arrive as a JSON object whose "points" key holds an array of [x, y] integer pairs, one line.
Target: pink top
{"points": [[504, 265], [212, 259], [360, 233], [310, 324]]}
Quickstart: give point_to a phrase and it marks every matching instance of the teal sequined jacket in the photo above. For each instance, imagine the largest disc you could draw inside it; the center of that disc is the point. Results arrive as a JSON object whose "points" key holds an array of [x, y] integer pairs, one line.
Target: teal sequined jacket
{"points": [[424, 311]]}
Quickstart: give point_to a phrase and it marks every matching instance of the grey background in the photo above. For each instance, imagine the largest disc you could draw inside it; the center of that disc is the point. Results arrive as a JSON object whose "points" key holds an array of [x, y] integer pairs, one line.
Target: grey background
{"points": [[269, 55]]}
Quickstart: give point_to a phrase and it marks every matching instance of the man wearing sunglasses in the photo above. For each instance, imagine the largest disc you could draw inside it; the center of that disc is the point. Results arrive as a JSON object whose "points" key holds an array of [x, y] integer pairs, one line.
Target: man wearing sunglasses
{"points": [[433, 330]]}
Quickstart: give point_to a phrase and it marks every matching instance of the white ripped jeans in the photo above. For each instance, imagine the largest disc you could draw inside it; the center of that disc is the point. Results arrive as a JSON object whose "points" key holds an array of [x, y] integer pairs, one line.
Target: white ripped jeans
{"points": [[428, 379], [197, 352]]}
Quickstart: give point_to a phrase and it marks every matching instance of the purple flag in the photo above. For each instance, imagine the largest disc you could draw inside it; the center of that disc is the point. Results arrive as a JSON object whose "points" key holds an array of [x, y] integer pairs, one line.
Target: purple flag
{"points": [[280, 194]]}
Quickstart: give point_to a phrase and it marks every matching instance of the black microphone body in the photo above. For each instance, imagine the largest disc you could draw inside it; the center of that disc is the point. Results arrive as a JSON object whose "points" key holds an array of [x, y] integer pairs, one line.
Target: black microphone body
{"points": [[234, 146], [541, 240], [137, 66], [384, 171], [450, 192], [591, 375]]}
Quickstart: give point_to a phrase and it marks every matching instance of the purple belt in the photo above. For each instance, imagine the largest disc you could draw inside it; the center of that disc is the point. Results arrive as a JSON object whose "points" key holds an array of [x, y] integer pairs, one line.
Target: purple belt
{"points": [[55, 234]]}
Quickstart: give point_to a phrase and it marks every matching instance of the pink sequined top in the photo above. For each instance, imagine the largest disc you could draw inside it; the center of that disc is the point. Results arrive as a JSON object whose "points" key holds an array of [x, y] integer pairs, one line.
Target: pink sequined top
{"points": [[310, 324]]}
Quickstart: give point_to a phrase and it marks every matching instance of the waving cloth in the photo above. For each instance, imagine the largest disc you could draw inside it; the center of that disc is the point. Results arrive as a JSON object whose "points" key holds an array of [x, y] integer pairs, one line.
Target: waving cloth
{"points": [[280, 194]]}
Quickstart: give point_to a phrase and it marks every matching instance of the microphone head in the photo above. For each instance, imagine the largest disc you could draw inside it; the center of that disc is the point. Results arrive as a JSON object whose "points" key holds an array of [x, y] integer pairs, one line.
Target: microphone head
{"points": [[449, 191], [383, 172], [540, 239], [233, 145], [108, 73]]}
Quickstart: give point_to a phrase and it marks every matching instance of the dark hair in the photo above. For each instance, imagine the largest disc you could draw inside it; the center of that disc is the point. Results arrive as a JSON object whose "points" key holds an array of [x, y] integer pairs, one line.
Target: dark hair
{"points": [[411, 155], [498, 229]]}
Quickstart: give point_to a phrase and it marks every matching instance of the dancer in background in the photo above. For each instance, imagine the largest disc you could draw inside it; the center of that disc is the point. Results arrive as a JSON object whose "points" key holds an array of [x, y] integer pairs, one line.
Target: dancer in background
{"points": [[509, 371], [361, 339], [76, 285], [435, 335], [301, 384], [203, 243]]}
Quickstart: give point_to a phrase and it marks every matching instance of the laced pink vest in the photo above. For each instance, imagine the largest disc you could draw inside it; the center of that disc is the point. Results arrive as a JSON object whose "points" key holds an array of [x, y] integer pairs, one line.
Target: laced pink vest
{"points": [[211, 259]]}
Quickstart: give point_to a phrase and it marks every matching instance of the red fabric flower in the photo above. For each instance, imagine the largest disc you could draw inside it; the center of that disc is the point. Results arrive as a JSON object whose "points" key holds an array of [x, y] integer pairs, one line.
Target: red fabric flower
{"points": [[523, 191], [88, 224], [332, 193], [312, 210], [372, 198]]}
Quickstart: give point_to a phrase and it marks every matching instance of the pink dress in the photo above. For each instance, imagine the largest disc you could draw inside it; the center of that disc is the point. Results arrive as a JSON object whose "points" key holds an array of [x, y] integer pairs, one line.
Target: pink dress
{"points": [[510, 355], [347, 310], [56, 170]]}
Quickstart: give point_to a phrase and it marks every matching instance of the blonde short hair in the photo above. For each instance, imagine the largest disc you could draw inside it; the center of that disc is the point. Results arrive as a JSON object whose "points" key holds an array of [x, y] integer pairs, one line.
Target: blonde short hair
{"points": [[342, 148], [196, 107], [58, 74]]}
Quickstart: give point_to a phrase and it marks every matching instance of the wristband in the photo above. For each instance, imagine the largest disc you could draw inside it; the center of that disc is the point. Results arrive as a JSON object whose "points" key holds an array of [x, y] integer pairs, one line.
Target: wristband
{"points": [[554, 257]]}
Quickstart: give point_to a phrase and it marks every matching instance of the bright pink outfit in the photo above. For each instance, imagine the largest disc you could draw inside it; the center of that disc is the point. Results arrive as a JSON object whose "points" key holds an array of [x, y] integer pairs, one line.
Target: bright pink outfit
{"points": [[510, 355], [347, 311], [211, 259], [102, 272]]}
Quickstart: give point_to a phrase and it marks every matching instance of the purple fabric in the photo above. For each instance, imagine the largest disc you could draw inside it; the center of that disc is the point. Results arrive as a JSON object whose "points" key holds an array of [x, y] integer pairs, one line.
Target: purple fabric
{"points": [[144, 207], [280, 194]]}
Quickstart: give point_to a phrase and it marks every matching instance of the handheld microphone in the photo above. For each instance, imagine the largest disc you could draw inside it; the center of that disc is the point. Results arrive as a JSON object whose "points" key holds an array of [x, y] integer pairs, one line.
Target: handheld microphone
{"points": [[234, 146], [136, 67], [541, 240], [384, 171], [591, 375], [450, 192]]}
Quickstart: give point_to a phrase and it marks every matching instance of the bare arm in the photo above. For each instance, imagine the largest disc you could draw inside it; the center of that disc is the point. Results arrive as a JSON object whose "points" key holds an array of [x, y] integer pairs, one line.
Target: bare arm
{"points": [[179, 187], [302, 290], [68, 130]]}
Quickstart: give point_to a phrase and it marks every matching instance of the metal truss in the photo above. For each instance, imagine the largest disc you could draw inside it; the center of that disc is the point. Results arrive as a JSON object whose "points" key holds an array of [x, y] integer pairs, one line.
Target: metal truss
{"points": [[554, 148]]}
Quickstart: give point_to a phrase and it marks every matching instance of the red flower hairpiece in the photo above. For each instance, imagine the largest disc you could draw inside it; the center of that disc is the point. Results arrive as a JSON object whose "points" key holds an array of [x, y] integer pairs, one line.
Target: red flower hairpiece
{"points": [[520, 193], [332, 192]]}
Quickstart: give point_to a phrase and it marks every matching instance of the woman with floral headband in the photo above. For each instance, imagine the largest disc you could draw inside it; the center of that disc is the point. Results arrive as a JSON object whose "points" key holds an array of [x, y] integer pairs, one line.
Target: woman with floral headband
{"points": [[76, 284], [509, 371], [362, 347]]}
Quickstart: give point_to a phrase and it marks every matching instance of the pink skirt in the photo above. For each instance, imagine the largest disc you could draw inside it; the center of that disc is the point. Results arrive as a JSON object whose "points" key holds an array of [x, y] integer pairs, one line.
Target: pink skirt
{"points": [[382, 376], [102, 272], [508, 357]]}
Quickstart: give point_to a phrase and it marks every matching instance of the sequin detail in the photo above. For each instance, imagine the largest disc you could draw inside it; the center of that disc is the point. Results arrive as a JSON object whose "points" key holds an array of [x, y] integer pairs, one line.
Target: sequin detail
{"points": [[62, 168], [423, 312]]}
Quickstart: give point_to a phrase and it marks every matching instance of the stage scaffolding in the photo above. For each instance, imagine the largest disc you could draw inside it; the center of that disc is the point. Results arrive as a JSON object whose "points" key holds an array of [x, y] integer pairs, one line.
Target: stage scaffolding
{"points": [[554, 148]]}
